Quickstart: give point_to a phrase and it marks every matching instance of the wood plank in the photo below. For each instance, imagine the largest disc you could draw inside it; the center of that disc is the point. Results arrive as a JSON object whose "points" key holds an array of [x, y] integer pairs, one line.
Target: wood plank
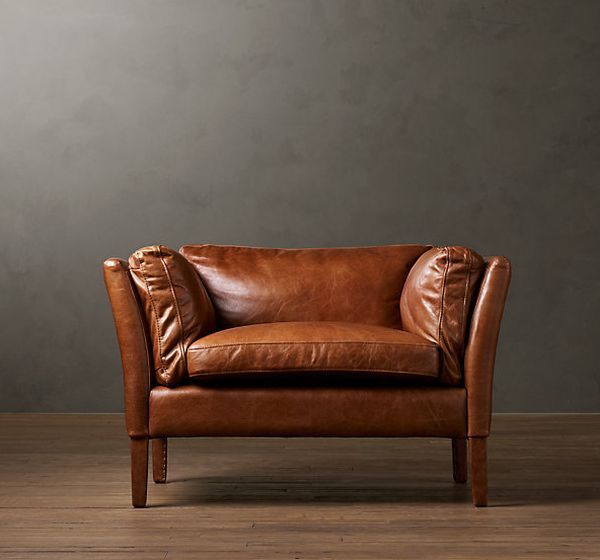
{"points": [[64, 491]]}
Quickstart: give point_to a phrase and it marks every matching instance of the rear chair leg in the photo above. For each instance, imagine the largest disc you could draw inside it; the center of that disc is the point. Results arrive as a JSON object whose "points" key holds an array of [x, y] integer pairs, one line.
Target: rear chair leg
{"points": [[139, 471], [159, 460], [478, 459], [459, 459]]}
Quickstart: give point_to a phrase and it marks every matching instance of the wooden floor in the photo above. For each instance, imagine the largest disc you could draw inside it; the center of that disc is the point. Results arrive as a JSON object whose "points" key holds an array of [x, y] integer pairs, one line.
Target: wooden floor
{"points": [[64, 493]]}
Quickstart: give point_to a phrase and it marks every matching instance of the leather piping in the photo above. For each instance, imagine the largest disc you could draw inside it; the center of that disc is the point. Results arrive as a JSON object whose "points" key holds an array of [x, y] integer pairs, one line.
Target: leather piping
{"points": [[177, 309], [227, 372], [443, 293], [226, 345], [158, 330]]}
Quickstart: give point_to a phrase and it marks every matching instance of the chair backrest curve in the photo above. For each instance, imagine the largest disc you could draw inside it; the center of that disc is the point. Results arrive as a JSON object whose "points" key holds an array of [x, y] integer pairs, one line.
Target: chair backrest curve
{"points": [[259, 285]]}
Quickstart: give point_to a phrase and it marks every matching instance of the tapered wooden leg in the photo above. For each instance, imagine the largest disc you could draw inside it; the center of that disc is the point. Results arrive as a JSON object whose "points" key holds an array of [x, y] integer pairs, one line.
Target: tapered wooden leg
{"points": [[139, 471], [159, 460], [478, 459], [459, 459]]}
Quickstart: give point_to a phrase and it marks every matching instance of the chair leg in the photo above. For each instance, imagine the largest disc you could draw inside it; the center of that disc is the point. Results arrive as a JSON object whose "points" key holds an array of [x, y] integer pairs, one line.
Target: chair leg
{"points": [[139, 471], [459, 459], [478, 459], [159, 460]]}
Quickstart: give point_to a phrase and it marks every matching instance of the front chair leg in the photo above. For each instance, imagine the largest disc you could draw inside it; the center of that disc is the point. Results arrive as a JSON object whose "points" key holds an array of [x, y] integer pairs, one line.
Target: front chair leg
{"points": [[478, 459], [159, 460], [139, 471], [459, 459]]}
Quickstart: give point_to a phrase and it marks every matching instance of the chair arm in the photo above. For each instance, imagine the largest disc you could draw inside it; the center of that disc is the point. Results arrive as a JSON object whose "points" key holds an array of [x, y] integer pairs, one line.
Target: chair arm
{"points": [[480, 352], [133, 343]]}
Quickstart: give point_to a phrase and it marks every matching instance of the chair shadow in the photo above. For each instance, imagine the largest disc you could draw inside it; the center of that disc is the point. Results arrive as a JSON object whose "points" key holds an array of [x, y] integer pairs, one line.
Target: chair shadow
{"points": [[276, 489], [321, 491], [529, 476]]}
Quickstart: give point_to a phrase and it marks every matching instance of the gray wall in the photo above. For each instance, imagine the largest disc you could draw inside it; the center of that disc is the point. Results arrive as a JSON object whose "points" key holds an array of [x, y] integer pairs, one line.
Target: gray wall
{"points": [[296, 123]]}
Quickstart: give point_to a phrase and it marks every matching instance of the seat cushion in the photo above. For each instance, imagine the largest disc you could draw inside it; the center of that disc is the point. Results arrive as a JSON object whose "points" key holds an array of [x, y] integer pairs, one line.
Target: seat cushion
{"points": [[312, 347]]}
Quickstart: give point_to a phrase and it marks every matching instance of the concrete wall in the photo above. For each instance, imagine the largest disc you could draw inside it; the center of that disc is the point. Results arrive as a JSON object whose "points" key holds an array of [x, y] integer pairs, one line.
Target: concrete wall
{"points": [[296, 123]]}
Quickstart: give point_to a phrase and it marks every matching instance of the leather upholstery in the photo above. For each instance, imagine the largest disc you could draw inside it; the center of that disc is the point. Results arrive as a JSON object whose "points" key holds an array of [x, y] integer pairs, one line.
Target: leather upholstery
{"points": [[255, 285], [436, 302], [312, 346], [373, 287], [283, 411], [135, 354], [480, 354], [176, 307]]}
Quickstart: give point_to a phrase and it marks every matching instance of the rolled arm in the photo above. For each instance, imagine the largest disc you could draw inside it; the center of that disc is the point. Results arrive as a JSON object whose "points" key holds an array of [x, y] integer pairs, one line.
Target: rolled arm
{"points": [[133, 343], [480, 352]]}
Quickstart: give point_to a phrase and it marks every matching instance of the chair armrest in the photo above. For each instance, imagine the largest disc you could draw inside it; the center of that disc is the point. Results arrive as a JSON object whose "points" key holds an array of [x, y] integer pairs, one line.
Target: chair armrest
{"points": [[133, 343], [480, 353]]}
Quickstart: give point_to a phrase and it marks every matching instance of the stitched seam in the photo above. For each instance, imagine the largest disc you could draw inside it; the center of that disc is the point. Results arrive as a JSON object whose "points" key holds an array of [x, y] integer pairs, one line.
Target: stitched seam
{"points": [[196, 349], [440, 332], [177, 311], [464, 309], [164, 473], [141, 321], [160, 351], [219, 372]]}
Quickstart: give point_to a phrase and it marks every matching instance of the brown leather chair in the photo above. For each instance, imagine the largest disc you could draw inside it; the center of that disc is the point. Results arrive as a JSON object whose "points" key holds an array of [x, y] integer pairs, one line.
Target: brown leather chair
{"points": [[352, 342]]}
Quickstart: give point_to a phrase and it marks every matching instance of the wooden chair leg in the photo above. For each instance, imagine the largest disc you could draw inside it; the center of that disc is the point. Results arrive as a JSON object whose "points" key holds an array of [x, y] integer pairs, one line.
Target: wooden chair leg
{"points": [[478, 459], [139, 471], [459, 459], [159, 460]]}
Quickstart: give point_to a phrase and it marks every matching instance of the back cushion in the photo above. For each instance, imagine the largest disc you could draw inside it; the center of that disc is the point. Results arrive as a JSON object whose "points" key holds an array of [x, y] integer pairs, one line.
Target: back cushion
{"points": [[256, 285], [176, 306], [437, 299]]}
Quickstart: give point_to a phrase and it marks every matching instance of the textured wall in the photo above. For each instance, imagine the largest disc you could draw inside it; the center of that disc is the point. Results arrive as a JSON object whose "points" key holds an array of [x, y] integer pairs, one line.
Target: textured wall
{"points": [[297, 123]]}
